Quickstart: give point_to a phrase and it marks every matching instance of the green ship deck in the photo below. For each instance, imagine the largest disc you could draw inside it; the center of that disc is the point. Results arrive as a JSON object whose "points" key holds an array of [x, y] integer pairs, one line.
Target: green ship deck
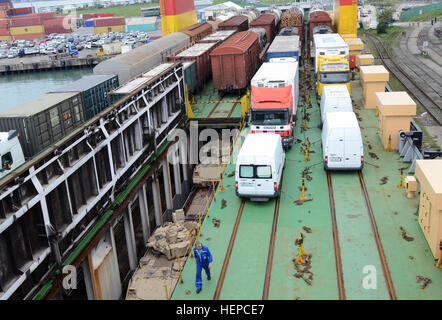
{"points": [[246, 270]]}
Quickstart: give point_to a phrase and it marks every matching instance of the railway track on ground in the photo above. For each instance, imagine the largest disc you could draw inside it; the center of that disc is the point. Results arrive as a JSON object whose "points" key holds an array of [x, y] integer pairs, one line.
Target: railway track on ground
{"points": [[374, 227], [427, 102], [337, 247], [268, 274]]}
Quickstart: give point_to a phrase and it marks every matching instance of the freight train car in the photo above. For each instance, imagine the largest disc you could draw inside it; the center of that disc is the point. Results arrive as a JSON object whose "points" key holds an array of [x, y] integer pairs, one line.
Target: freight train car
{"points": [[293, 17], [142, 59], [200, 53], [321, 29], [268, 22], [238, 23], [235, 61], [317, 18], [197, 31]]}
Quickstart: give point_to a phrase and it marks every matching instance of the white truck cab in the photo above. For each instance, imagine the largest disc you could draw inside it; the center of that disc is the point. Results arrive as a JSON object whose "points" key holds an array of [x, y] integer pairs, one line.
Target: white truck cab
{"points": [[259, 167], [11, 153], [342, 142]]}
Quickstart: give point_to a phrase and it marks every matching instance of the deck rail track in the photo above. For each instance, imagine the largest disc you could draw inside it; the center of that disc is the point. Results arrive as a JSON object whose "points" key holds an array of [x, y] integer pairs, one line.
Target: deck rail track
{"points": [[374, 227], [427, 102], [268, 275], [337, 247]]}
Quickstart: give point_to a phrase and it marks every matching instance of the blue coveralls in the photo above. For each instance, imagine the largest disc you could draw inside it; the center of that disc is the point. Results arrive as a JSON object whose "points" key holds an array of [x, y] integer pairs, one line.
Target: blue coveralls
{"points": [[202, 262]]}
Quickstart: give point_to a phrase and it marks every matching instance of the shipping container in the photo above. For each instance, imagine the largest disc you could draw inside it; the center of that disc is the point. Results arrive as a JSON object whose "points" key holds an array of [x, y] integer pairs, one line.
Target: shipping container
{"points": [[235, 61], [112, 48], [88, 16], [89, 23], [104, 15], [43, 121], [266, 21], [109, 22], [200, 53], [219, 36], [31, 36], [141, 24], [5, 38], [24, 10], [43, 15], [100, 30], [238, 23], [3, 14], [17, 31], [95, 92], [26, 21], [127, 89], [197, 31], [4, 32], [284, 47], [55, 26], [316, 18]]}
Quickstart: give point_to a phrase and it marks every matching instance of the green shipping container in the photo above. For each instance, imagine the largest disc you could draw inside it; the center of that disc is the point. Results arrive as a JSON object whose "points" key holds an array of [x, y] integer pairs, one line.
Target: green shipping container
{"points": [[190, 76], [95, 91], [141, 27]]}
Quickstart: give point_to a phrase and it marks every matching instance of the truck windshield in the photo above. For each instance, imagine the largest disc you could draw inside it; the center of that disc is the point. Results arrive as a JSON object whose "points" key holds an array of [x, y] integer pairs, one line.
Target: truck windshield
{"points": [[255, 172], [270, 117], [335, 77]]}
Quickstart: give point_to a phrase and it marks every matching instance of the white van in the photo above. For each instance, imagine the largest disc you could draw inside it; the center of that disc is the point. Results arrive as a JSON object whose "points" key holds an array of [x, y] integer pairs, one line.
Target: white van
{"points": [[335, 98], [259, 167], [342, 142]]}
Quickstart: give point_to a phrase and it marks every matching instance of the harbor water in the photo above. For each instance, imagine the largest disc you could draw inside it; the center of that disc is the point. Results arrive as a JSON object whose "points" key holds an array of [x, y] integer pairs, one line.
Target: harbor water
{"points": [[16, 89]]}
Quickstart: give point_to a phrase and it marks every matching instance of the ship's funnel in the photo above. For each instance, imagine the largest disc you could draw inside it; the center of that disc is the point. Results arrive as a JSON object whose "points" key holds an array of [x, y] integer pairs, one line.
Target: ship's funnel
{"points": [[177, 15]]}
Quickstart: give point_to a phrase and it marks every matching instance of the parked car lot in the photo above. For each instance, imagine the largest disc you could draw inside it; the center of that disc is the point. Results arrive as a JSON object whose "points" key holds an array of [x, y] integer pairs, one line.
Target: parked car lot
{"points": [[59, 43]]}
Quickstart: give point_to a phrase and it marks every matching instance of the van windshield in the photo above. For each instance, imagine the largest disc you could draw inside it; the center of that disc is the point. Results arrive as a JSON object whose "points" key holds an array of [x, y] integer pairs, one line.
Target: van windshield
{"points": [[270, 117], [255, 172], [335, 77]]}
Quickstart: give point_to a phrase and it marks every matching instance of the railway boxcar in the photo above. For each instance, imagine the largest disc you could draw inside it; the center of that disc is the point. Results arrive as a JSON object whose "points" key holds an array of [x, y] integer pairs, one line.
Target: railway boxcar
{"points": [[198, 31], [284, 47], [238, 23], [44, 121], [317, 18], [266, 21], [200, 53], [235, 61], [94, 90]]}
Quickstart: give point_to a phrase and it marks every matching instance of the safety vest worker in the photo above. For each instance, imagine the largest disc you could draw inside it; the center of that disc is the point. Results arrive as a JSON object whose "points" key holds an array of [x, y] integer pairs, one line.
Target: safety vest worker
{"points": [[203, 261]]}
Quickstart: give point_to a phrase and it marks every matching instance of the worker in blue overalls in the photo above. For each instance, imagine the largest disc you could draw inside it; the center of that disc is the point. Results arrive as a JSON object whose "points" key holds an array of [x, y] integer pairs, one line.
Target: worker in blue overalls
{"points": [[203, 261]]}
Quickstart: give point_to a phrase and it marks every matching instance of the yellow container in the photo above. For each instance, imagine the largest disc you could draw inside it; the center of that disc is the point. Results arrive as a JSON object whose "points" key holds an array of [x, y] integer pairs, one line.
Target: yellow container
{"points": [[18, 31], [99, 30], [5, 38], [175, 23], [354, 44], [365, 60]]}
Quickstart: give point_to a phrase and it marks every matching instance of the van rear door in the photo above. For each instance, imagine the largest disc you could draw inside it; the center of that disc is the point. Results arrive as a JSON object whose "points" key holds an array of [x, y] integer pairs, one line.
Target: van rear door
{"points": [[246, 181], [353, 148], [336, 148], [264, 180]]}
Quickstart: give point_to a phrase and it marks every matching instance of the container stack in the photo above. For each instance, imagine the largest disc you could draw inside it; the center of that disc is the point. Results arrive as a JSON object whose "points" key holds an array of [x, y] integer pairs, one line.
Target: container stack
{"points": [[111, 24], [293, 18], [26, 28], [20, 11], [57, 25], [4, 30], [141, 24]]}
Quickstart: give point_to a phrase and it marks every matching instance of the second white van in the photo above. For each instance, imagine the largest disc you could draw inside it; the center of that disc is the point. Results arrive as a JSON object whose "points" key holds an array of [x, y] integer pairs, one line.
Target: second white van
{"points": [[259, 167], [342, 142], [335, 98]]}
